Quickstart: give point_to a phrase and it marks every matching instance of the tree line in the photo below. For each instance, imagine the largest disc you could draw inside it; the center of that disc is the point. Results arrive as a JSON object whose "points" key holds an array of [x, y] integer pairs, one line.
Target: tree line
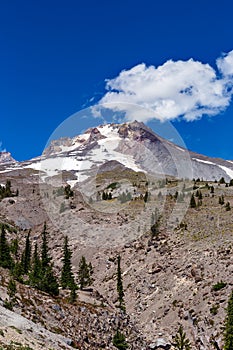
{"points": [[34, 265]]}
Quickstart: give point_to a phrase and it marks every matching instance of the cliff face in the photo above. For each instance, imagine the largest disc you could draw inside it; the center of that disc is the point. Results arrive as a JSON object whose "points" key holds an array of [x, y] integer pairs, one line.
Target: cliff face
{"points": [[5, 158]]}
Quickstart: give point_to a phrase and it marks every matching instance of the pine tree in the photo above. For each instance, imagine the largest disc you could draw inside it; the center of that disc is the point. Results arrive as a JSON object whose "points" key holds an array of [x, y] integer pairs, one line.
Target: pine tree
{"points": [[222, 180], [181, 342], [35, 275], [84, 273], [8, 192], [192, 202], [17, 271], [5, 256], [14, 247], [119, 341], [49, 282], [228, 206], [45, 259], [120, 289], [11, 289], [228, 335], [221, 200], [26, 256], [67, 277], [146, 197]]}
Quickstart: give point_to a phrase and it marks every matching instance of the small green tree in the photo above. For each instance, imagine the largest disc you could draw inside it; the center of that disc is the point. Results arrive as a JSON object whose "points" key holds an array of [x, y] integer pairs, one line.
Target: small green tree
{"points": [[181, 342], [119, 341], [14, 247], [228, 334], [17, 271], [68, 192], [49, 283], [221, 200], [8, 192], [73, 293], [45, 258], [84, 273], [67, 277], [26, 255], [228, 206], [120, 288], [11, 289], [222, 180], [35, 275], [193, 202], [6, 260]]}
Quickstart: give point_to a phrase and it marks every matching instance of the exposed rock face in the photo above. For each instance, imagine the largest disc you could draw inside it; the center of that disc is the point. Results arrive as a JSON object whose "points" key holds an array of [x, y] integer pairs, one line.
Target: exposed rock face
{"points": [[5, 158], [95, 135]]}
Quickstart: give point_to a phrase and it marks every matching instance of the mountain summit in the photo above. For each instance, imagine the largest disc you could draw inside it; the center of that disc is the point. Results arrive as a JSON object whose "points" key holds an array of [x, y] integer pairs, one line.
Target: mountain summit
{"points": [[5, 157], [134, 146]]}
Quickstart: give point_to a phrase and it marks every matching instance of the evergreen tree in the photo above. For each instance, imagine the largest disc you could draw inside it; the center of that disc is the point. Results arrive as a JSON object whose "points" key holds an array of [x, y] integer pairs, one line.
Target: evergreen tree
{"points": [[11, 289], [67, 277], [119, 341], [14, 247], [68, 192], [45, 259], [17, 271], [222, 180], [231, 182], [26, 256], [228, 206], [8, 192], [84, 273], [35, 275], [120, 289], [221, 199], [146, 197], [5, 256], [181, 342], [192, 202], [49, 282], [228, 335], [155, 229]]}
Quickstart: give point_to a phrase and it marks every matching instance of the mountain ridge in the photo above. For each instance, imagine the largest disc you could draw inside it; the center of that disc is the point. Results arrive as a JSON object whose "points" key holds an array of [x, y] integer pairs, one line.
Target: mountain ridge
{"points": [[132, 144]]}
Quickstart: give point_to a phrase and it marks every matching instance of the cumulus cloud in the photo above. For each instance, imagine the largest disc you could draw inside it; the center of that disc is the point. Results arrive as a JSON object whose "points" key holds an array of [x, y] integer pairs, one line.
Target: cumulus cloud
{"points": [[176, 89], [225, 64]]}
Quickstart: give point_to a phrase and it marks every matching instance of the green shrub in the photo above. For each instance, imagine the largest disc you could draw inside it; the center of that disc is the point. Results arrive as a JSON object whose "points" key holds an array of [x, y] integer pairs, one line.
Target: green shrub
{"points": [[218, 286]]}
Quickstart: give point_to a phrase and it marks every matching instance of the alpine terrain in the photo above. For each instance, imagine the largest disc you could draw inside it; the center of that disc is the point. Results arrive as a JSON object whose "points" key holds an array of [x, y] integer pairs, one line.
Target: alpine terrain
{"points": [[116, 239]]}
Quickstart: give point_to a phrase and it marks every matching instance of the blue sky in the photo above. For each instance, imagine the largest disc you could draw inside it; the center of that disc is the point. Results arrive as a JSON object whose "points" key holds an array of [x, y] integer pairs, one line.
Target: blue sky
{"points": [[56, 55]]}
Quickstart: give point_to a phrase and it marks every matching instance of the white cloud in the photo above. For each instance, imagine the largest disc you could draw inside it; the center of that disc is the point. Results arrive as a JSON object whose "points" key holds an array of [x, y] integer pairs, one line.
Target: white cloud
{"points": [[225, 64], [181, 89]]}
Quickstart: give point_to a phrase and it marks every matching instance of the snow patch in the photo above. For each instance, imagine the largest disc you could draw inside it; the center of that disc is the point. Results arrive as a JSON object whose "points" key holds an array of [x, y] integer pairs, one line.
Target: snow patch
{"points": [[204, 161], [227, 170]]}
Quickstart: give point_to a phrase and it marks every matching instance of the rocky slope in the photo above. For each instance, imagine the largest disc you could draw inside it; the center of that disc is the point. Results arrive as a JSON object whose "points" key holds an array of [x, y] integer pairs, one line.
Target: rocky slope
{"points": [[169, 278]]}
